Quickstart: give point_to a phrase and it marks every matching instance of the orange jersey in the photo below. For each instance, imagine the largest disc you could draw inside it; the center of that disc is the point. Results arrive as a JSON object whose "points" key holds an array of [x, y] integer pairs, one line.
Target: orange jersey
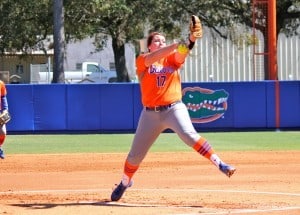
{"points": [[160, 83], [3, 89], [3, 93]]}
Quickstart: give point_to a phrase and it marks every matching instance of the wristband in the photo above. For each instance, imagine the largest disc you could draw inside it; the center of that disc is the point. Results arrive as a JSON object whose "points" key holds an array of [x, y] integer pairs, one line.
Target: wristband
{"points": [[191, 44]]}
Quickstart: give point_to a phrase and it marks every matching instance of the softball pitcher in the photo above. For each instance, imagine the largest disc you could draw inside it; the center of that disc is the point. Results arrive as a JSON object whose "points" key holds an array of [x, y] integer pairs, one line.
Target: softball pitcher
{"points": [[160, 84]]}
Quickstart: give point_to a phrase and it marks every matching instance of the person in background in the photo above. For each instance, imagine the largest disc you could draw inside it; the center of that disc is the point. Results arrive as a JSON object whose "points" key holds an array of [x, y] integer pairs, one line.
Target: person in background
{"points": [[160, 84], [4, 116]]}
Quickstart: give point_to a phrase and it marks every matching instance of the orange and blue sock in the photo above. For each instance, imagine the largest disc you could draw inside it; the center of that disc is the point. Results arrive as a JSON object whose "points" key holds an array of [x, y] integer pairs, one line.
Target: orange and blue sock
{"points": [[203, 148], [129, 171], [206, 150]]}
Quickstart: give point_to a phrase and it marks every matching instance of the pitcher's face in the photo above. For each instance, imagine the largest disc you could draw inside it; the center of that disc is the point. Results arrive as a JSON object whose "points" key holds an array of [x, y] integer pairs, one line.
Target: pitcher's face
{"points": [[157, 42]]}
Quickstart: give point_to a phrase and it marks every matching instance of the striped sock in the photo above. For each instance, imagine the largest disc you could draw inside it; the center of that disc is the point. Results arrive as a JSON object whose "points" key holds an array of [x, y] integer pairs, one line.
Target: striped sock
{"points": [[204, 148], [129, 171]]}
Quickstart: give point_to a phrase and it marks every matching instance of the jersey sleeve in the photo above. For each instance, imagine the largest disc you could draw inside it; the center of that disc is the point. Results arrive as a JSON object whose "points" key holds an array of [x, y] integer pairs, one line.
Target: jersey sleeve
{"points": [[140, 64], [172, 61]]}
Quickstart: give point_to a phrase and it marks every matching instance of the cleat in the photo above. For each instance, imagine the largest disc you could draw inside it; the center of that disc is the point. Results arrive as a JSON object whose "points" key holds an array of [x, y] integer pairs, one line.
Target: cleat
{"points": [[119, 191], [226, 169], [2, 156]]}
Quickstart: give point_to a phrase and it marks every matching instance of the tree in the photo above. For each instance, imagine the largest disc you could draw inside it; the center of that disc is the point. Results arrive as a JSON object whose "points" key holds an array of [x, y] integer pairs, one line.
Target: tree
{"points": [[216, 14], [125, 20], [24, 25], [230, 15], [59, 41]]}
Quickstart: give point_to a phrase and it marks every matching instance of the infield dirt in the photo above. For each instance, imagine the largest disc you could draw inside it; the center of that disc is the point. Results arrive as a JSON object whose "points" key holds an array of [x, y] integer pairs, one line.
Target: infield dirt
{"points": [[166, 183]]}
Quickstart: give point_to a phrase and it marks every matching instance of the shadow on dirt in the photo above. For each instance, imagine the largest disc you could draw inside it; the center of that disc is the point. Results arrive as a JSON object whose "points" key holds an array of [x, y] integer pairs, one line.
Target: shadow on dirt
{"points": [[105, 203]]}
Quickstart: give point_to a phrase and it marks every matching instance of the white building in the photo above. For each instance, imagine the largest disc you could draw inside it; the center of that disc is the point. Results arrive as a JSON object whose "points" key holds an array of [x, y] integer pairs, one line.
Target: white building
{"points": [[84, 50]]}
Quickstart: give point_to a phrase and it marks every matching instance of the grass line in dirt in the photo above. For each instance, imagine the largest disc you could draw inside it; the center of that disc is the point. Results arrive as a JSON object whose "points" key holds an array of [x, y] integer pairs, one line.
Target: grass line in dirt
{"points": [[167, 142]]}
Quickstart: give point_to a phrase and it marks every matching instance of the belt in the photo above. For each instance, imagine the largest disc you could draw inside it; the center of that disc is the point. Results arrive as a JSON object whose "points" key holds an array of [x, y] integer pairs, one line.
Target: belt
{"points": [[162, 107]]}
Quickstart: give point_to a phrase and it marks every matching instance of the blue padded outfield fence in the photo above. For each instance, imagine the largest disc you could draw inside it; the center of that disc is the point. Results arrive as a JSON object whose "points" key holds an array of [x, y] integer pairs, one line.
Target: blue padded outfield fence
{"points": [[115, 108]]}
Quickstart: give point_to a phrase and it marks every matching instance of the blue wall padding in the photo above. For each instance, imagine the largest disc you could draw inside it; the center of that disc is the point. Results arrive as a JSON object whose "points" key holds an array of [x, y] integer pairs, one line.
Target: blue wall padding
{"points": [[49, 103], [83, 107], [271, 105], [116, 107], [249, 105], [136, 105], [290, 104], [20, 104]]}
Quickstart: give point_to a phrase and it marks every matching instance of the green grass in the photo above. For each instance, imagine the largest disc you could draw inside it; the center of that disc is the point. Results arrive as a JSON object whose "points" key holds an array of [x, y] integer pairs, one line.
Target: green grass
{"points": [[102, 143]]}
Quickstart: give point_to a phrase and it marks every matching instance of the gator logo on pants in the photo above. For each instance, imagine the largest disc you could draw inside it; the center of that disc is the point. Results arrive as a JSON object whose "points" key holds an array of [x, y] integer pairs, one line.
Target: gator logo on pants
{"points": [[205, 105]]}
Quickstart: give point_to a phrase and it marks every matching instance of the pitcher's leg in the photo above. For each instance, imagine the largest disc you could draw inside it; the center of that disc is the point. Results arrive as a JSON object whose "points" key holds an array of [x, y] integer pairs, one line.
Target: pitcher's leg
{"points": [[181, 123], [148, 130]]}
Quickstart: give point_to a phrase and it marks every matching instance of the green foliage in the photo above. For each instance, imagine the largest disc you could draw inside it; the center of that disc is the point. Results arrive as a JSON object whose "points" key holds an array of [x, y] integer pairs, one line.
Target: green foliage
{"points": [[77, 19], [288, 17], [120, 19], [24, 24]]}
